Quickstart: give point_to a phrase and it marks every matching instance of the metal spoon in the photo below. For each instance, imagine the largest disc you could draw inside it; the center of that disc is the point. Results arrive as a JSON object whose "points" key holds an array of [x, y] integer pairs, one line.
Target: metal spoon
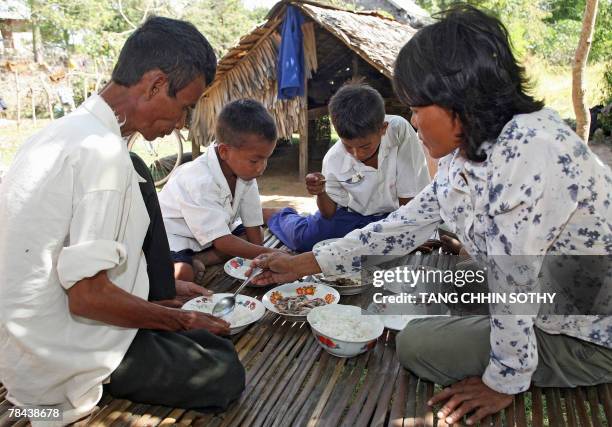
{"points": [[227, 304]]}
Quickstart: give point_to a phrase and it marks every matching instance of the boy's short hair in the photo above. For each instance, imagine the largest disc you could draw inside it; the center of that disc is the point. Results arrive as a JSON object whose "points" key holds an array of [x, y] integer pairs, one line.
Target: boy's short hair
{"points": [[356, 110], [244, 116], [175, 47], [477, 77]]}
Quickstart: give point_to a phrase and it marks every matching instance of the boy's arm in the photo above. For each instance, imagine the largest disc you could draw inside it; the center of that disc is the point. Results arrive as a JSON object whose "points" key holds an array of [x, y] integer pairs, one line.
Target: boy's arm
{"points": [[315, 184], [326, 205], [254, 235], [235, 246]]}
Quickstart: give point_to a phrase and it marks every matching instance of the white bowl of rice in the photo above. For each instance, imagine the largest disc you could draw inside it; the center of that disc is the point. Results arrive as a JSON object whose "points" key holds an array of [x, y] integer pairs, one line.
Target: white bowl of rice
{"points": [[343, 331]]}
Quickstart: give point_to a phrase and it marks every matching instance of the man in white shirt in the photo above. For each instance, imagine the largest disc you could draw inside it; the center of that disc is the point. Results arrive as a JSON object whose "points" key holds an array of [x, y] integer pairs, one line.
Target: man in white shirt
{"points": [[377, 166], [74, 313]]}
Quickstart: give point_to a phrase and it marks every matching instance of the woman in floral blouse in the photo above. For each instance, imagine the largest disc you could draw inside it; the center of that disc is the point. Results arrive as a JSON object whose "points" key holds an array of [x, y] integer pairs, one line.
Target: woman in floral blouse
{"points": [[513, 179]]}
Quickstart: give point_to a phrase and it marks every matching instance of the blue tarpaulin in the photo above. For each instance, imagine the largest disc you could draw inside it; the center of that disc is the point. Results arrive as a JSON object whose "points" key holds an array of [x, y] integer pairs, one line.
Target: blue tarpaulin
{"points": [[290, 68]]}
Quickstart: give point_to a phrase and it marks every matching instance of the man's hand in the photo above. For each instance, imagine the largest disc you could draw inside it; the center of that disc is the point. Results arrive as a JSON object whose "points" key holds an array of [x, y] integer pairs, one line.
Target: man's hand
{"points": [[185, 291], [277, 269], [315, 183], [469, 395], [197, 320]]}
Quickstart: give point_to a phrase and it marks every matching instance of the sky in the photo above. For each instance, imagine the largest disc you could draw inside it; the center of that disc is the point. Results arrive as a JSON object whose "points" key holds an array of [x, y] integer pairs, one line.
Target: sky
{"points": [[251, 4]]}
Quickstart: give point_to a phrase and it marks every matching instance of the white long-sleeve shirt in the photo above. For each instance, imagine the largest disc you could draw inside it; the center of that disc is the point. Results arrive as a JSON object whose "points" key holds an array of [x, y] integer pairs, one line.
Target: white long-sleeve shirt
{"points": [[70, 207], [541, 191]]}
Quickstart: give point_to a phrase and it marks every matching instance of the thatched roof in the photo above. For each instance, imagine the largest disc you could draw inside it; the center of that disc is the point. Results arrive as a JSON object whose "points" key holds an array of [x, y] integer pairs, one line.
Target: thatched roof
{"points": [[248, 70], [16, 10]]}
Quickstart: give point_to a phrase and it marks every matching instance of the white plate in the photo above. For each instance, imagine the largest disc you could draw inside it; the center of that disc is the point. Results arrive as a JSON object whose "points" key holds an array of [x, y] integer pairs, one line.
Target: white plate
{"points": [[310, 289], [237, 267], [324, 242], [248, 310]]}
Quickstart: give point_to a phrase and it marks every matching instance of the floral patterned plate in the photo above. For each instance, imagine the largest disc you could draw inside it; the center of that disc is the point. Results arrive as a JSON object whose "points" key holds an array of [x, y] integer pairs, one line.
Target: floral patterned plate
{"points": [[248, 310], [299, 294]]}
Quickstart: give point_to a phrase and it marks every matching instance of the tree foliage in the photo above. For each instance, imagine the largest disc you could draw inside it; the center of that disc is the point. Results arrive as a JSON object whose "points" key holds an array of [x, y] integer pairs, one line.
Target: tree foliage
{"points": [[545, 28]]}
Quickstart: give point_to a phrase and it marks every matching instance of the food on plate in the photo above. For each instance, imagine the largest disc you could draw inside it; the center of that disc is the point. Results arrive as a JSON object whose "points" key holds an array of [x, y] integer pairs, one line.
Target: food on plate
{"points": [[299, 305]]}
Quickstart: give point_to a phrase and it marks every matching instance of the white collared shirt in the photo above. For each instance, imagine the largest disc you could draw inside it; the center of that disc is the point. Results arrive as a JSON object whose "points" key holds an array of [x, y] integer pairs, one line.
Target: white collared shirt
{"points": [[402, 172], [198, 207], [540, 191], [70, 207]]}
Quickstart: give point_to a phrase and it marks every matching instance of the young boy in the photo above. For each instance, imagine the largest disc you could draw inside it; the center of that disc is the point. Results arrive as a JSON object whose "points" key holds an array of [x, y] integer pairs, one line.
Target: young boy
{"points": [[377, 166], [212, 204]]}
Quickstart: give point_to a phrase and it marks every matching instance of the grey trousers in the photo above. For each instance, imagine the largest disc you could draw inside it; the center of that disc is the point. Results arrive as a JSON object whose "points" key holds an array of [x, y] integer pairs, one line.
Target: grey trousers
{"points": [[192, 370], [447, 350]]}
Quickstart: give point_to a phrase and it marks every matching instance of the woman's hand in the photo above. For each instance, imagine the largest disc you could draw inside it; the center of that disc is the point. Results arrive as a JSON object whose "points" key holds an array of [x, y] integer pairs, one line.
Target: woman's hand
{"points": [[469, 395], [277, 268]]}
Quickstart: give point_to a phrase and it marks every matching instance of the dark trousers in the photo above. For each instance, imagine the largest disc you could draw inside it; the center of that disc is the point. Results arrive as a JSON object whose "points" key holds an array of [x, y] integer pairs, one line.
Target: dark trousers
{"points": [[193, 369]]}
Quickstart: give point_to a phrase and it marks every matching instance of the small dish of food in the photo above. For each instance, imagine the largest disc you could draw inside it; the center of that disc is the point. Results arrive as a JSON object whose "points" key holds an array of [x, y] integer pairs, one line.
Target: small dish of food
{"points": [[295, 300], [248, 310], [350, 285], [342, 330]]}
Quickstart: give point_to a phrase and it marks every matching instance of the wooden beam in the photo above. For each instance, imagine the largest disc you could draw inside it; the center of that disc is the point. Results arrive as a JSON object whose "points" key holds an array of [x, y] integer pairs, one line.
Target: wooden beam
{"points": [[303, 170], [315, 113]]}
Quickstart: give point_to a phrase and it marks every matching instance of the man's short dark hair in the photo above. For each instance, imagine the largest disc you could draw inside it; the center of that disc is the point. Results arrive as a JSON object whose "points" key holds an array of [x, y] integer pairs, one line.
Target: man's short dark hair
{"points": [[175, 47], [356, 110], [476, 77], [244, 116]]}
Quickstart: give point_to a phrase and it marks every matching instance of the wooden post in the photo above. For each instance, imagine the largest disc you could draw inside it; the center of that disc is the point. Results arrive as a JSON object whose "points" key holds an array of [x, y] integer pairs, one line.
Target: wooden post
{"points": [[583, 118], [16, 75], [303, 169], [33, 104], [48, 95]]}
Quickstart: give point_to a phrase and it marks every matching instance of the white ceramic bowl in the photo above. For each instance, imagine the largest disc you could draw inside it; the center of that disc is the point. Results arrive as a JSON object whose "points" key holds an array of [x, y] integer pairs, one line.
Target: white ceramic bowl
{"points": [[309, 289], [333, 325], [248, 310]]}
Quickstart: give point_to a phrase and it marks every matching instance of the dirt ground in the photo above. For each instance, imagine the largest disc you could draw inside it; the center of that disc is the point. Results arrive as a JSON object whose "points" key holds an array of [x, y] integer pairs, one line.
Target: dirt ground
{"points": [[280, 185]]}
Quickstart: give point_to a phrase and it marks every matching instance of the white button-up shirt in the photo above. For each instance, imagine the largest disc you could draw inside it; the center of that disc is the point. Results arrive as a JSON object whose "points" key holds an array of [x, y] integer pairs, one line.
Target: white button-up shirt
{"points": [[198, 207], [540, 191], [70, 207], [402, 172]]}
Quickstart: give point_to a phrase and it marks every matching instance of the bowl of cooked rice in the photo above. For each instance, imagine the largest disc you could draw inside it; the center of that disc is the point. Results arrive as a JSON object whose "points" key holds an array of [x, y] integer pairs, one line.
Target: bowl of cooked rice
{"points": [[343, 331]]}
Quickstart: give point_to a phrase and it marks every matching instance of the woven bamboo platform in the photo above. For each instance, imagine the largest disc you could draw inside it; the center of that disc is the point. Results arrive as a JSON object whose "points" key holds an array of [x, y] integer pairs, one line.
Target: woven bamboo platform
{"points": [[291, 381]]}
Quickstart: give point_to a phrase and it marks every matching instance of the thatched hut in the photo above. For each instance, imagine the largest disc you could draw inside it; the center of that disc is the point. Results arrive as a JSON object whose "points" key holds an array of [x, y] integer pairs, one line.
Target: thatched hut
{"points": [[338, 45]]}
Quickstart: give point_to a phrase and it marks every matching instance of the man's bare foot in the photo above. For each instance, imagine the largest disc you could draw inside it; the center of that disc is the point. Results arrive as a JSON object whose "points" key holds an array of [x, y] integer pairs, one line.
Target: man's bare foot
{"points": [[268, 213]]}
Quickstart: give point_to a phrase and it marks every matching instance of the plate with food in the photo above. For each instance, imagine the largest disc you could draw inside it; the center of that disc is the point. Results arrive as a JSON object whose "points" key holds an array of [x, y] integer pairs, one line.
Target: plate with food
{"points": [[237, 267], [295, 300], [350, 285], [248, 310]]}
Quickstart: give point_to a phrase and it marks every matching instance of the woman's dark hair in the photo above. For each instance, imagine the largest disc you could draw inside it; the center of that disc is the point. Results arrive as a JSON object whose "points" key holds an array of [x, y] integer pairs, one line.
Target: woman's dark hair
{"points": [[244, 116], [175, 47], [356, 110], [464, 63]]}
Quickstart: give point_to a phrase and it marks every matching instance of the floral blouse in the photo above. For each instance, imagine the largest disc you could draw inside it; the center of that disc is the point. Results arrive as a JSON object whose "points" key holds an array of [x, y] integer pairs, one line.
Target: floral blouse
{"points": [[540, 191]]}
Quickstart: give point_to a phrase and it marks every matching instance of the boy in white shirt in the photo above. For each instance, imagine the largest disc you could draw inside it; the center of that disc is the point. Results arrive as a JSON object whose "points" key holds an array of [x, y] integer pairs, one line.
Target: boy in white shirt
{"points": [[378, 166], [212, 204]]}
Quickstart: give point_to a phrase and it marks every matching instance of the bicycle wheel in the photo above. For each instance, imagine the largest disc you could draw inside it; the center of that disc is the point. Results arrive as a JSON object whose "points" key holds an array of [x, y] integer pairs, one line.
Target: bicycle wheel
{"points": [[162, 155]]}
